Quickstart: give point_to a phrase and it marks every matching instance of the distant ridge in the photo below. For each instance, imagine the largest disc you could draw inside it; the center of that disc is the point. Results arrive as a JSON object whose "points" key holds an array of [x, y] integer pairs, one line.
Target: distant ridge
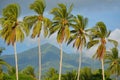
{"points": [[50, 58]]}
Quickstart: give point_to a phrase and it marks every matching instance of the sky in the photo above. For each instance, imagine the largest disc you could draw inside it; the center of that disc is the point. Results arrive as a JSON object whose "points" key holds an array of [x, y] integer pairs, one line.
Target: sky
{"points": [[95, 10]]}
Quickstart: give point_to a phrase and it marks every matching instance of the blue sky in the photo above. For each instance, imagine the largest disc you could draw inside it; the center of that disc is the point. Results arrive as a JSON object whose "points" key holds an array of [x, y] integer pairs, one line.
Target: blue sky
{"points": [[95, 10]]}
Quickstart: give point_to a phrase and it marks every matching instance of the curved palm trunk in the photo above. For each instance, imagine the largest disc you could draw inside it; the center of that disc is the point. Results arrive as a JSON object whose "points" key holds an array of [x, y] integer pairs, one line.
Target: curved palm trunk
{"points": [[16, 60], [103, 75], [79, 67], [60, 69], [39, 57]]}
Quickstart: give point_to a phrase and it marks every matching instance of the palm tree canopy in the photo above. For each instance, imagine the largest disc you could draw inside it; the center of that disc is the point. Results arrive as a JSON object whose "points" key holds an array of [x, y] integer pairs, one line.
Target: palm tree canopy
{"points": [[11, 12], [79, 34], [12, 29], [61, 22], [38, 6], [113, 59], [99, 35], [38, 21]]}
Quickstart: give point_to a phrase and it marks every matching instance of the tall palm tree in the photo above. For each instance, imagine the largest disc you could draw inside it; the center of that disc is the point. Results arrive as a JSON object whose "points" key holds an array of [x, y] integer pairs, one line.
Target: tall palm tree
{"points": [[38, 22], [78, 35], [113, 59], [99, 37], [12, 29], [61, 22]]}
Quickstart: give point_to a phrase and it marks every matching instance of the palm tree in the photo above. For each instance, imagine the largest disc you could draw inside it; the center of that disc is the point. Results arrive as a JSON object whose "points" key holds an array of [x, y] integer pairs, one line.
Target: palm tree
{"points": [[13, 30], [61, 22], [99, 37], [38, 22], [78, 35], [113, 59]]}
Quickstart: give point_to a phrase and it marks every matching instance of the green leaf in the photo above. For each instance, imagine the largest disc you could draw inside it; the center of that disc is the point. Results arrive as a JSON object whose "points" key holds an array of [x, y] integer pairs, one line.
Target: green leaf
{"points": [[53, 29], [102, 28], [61, 35], [38, 6], [92, 43], [19, 34], [67, 33], [115, 43], [77, 43], [70, 9], [37, 29], [30, 20], [11, 11]]}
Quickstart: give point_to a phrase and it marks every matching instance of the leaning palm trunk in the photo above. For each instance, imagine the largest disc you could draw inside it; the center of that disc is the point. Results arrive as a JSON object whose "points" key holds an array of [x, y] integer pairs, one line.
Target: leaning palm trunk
{"points": [[79, 67], [16, 61], [60, 69], [39, 56], [103, 75]]}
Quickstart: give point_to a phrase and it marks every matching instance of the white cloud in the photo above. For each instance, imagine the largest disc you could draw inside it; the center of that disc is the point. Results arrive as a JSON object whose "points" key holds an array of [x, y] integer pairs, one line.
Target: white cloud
{"points": [[115, 35]]}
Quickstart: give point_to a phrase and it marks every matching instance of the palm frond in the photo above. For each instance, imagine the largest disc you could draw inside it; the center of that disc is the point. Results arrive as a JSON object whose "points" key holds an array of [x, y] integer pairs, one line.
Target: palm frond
{"points": [[37, 29], [102, 28], [30, 20], [11, 11], [67, 33], [92, 43], [70, 8], [72, 38], [61, 35], [115, 43], [38, 6], [19, 34]]}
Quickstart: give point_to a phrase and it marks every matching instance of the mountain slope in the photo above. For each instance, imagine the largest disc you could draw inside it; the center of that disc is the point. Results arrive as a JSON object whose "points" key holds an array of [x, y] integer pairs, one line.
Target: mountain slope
{"points": [[50, 58]]}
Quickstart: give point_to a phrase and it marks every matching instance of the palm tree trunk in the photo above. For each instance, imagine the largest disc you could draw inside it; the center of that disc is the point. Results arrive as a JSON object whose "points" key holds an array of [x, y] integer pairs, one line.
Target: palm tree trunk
{"points": [[60, 69], [116, 77], [79, 67], [39, 57], [103, 75], [116, 74], [16, 60]]}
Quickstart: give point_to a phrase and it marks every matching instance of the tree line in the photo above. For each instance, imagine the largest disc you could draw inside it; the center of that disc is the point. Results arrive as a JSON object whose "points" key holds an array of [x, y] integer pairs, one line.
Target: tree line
{"points": [[70, 29]]}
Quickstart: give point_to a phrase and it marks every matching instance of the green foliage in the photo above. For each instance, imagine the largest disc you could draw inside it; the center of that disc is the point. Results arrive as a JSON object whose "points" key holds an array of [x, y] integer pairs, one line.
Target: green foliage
{"points": [[29, 70], [38, 22], [52, 74], [21, 77], [69, 76], [113, 60], [86, 74], [62, 20], [11, 12], [1, 50], [97, 75], [38, 6], [12, 29], [79, 33]]}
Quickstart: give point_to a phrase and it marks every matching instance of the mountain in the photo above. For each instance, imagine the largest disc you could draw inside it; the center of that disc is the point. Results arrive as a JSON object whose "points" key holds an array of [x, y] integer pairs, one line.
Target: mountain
{"points": [[50, 58]]}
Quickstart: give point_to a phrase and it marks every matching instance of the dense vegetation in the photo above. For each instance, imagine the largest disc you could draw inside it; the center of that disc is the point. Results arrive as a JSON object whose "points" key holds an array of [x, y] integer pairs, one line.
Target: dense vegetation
{"points": [[70, 29]]}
